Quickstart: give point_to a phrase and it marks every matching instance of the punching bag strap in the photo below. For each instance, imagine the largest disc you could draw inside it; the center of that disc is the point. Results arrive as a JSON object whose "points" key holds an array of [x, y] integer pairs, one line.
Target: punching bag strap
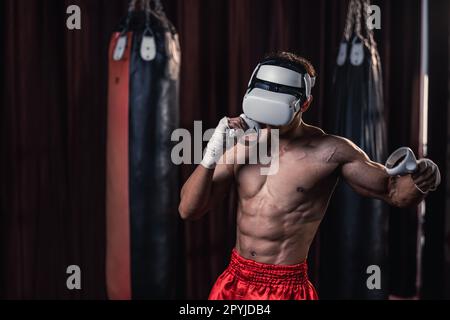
{"points": [[148, 44]]}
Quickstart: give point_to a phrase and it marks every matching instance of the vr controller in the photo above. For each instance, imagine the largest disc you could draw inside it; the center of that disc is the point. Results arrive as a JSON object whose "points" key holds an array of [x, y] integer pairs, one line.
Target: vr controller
{"points": [[252, 125], [401, 162]]}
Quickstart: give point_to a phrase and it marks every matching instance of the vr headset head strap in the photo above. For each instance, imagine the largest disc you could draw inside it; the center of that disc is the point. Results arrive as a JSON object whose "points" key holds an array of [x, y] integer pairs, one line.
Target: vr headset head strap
{"points": [[307, 83], [255, 72]]}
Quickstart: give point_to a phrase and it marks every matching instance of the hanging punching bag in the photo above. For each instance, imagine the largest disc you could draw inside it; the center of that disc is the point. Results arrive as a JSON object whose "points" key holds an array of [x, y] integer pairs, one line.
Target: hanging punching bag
{"points": [[142, 182], [354, 239]]}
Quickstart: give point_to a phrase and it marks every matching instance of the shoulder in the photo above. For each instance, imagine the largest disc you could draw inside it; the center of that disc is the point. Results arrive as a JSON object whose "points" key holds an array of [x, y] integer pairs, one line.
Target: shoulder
{"points": [[345, 150], [340, 142], [328, 140]]}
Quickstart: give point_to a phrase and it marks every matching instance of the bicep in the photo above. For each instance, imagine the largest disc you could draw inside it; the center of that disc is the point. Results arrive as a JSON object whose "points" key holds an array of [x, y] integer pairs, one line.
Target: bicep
{"points": [[366, 177]]}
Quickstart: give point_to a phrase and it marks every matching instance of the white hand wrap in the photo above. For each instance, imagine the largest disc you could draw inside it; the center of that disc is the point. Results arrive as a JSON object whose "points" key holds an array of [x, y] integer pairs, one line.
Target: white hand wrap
{"points": [[216, 145]]}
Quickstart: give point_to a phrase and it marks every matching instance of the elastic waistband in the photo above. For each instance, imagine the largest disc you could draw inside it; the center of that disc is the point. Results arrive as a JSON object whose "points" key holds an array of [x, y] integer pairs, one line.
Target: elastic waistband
{"points": [[251, 271]]}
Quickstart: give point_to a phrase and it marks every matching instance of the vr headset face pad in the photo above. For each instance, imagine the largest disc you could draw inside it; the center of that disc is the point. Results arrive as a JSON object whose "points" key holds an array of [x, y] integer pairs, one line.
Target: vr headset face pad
{"points": [[272, 108], [275, 92]]}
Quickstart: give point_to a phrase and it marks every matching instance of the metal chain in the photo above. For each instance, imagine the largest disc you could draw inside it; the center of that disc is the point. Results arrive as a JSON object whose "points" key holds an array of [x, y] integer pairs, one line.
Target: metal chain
{"points": [[358, 9], [349, 21], [146, 5], [132, 5], [369, 33], [147, 10], [157, 11], [354, 17], [158, 6], [131, 9]]}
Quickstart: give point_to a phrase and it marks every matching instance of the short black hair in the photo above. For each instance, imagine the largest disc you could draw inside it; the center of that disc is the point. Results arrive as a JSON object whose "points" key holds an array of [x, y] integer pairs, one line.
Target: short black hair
{"points": [[295, 59]]}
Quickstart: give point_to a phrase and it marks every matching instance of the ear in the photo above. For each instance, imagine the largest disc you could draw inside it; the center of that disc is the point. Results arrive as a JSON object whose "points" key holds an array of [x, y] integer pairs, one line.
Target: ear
{"points": [[307, 104]]}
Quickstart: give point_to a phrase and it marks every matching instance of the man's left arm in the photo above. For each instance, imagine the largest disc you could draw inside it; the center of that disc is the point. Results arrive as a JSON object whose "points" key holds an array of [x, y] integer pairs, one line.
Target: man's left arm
{"points": [[370, 179]]}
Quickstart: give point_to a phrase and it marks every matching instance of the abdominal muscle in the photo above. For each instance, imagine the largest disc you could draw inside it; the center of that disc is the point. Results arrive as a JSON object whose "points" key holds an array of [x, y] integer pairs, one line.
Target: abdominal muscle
{"points": [[278, 216], [268, 233]]}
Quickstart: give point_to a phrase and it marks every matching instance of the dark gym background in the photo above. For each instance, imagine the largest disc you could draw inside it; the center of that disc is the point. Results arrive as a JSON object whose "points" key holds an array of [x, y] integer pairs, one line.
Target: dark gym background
{"points": [[53, 124]]}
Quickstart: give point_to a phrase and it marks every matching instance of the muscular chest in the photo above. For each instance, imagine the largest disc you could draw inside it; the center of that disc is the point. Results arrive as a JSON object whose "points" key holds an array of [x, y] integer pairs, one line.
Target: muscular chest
{"points": [[301, 171]]}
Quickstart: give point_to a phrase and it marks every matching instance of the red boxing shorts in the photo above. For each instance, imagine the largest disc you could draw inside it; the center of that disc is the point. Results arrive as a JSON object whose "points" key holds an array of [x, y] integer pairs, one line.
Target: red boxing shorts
{"points": [[249, 280]]}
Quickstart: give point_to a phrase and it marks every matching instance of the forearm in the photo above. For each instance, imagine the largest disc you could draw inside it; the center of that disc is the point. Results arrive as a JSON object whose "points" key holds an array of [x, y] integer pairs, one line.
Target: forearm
{"points": [[211, 179], [371, 179], [196, 193]]}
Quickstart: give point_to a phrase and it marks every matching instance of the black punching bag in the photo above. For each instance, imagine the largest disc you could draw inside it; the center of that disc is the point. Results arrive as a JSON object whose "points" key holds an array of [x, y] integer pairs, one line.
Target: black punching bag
{"points": [[142, 182], [354, 236]]}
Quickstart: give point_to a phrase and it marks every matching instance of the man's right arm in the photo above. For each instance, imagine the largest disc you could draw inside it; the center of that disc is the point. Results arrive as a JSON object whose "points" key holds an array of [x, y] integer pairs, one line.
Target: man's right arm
{"points": [[205, 188], [213, 177]]}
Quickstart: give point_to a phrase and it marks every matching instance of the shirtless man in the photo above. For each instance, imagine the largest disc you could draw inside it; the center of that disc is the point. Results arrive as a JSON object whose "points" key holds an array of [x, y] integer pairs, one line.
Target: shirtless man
{"points": [[278, 215]]}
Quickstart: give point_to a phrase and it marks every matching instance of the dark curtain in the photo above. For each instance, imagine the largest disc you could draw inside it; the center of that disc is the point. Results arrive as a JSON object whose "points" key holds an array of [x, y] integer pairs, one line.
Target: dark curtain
{"points": [[53, 147], [53, 117], [436, 264], [399, 42]]}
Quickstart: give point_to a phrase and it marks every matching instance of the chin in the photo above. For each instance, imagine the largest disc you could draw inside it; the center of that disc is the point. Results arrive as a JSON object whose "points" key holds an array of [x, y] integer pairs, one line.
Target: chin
{"points": [[294, 124]]}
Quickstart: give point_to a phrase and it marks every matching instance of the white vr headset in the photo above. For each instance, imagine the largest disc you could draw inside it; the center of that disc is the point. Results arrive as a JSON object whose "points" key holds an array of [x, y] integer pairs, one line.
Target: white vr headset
{"points": [[275, 93]]}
